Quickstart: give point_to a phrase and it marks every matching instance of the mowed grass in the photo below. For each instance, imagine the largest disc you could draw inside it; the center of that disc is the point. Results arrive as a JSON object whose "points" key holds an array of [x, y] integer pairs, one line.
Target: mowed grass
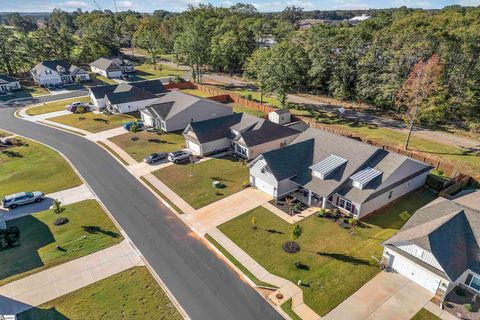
{"points": [[338, 262], [239, 109], [131, 294], [254, 94], [193, 183], [54, 106], [147, 71], [27, 91], [92, 122], [34, 167], [425, 315], [148, 142], [39, 237], [196, 92]]}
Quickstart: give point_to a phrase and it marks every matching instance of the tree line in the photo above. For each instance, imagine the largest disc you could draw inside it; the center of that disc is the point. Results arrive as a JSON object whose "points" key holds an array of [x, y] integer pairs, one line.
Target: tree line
{"points": [[370, 62]]}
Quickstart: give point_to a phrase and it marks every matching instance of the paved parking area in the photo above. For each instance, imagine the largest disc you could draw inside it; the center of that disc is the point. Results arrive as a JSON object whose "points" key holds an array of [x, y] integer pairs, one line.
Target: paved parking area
{"points": [[387, 296]]}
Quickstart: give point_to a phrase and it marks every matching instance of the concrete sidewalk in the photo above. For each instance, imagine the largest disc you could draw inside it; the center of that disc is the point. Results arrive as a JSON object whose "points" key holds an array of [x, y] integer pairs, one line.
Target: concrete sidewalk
{"points": [[103, 135], [45, 115], [286, 288], [66, 197], [44, 286], [119, 151]]}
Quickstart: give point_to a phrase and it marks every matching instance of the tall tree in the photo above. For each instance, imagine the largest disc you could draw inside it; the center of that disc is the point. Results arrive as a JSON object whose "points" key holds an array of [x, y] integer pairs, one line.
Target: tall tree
{"points": [[149, 37], [8, 45]]}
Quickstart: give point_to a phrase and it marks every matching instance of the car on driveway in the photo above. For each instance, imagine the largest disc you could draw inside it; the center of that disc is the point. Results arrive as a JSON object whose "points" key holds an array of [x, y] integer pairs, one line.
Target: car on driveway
{"points": [[129, 124], [14, 200], [179, 156], [154, 157]]}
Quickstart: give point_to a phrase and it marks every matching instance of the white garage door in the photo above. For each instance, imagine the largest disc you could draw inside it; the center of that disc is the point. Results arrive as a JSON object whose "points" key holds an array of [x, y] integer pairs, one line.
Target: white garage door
{"points": [[194, 147], [415, 273], [264, 186], [114, 74]]}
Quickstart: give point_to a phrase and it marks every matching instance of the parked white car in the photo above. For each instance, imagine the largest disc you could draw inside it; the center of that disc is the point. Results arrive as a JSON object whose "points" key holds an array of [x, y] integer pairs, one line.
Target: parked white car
{"points": [[14, 200]]}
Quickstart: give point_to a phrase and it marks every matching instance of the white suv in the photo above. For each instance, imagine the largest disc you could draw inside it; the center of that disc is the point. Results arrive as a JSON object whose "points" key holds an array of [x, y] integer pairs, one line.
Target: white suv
{"points": [[179, 156], [14, 200]]}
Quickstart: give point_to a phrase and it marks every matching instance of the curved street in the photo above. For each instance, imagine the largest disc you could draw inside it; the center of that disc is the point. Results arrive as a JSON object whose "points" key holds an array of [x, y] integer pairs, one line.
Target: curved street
{"points": [[201, 282]]}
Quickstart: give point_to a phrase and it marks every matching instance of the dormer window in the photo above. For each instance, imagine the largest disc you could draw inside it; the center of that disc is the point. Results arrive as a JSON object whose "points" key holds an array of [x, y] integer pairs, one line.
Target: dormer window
{"points": [[326, 166], [362, 178]]}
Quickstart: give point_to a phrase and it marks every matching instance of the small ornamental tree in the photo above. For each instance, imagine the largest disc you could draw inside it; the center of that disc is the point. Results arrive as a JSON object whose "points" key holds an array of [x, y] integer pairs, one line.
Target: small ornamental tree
{"points": [[295, 231], [57, 206], [134, 127]]}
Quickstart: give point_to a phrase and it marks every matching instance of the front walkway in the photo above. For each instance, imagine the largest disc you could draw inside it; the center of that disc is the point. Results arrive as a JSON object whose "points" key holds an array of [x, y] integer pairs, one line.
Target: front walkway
{"points": [[387, 296], [103, 135], [225, 209], [52, 283], [66, 197]]}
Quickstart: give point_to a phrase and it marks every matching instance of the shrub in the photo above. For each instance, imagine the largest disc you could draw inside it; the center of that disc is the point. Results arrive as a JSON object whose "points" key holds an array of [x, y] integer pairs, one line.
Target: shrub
{"points": [[295, 231], [60, 221], [80, 109], [352, 221], [322, 213], [8, 237], [57, 206], [468, 307], [245, 184]]}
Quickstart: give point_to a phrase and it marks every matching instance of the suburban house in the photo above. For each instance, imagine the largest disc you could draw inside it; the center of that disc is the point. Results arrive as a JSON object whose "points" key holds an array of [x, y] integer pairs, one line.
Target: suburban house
{"points": [[280, 116], [246, 135], [176, 110], [119, 93], [55, 72], [8, 84], [439, 246], [324, 170], [112, 67]]}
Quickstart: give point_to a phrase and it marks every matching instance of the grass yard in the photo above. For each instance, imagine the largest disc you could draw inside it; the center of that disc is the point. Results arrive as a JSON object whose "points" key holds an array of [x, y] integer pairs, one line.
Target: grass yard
{"points": [[146, 71], [25, 92], [34, 167], [425, 315], [239, 108], [97, 79], [54, 106], [336, 262], [131, 294], [193, 183], [287, 308], [94, 122], [196, 92], [148, 142], [39, 237], [255, 95]]}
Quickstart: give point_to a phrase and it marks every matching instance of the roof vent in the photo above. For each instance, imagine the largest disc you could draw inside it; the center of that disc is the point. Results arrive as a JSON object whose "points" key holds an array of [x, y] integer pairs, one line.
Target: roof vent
{"points": [[327, 166], [362, 178]]}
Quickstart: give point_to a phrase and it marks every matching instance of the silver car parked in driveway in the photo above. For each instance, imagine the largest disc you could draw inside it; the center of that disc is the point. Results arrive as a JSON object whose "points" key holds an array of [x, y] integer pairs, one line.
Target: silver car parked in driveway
{"points": [[14, 200]]}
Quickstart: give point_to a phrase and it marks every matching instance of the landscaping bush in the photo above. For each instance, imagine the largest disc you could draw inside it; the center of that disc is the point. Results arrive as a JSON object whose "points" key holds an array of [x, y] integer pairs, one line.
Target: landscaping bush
{"points": [[322, 213], [60, 221], [80, 109], [8, 237], [352, 221], [245, 184], [57, 206], [291, 247], [468, 307]]}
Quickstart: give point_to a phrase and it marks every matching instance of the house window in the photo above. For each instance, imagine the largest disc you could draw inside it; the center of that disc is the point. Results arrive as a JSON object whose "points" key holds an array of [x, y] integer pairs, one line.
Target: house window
{"points": [[241, 150], [390, 194], [475, 283], [345, 204]]}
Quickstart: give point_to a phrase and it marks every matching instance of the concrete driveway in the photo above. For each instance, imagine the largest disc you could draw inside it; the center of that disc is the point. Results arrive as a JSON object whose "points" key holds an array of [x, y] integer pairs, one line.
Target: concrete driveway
{"points": [[387, 296]]}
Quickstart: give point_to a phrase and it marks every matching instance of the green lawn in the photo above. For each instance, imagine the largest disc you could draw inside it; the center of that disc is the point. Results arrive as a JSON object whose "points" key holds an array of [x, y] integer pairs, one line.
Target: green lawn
{"points": [[26, 92], [466, 160], [239, 108], [425, 315], [101, 80], [54, 106], [255, 94], [287, 308], [146, 71], [94, 122], [148, 142], [337, 262], [34, 167], [193, 183], [196, 92], [131, 294], [39, 237]]}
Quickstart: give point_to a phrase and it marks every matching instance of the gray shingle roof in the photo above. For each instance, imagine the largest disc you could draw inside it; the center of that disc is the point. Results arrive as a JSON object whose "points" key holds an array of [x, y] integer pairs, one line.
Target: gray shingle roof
{"points": [[106, 64], [267, 131], [125, 93], [450, 231], [151, 86], [55, 64], [6, 79]]}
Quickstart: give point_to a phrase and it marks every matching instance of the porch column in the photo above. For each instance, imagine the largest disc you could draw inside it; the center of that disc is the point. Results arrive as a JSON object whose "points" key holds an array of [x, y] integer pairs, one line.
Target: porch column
{"points": [[324, 202], [309, 197]]}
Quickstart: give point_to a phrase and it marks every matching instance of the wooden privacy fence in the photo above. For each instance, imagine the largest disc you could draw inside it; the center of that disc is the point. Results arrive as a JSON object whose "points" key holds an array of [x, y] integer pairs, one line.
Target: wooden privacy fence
{"points": [[217, 94], [463, 182]]}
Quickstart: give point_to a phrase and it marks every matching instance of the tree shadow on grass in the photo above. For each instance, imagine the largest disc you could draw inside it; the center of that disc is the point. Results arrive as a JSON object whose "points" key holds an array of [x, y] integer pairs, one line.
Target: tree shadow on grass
{"points": [[34, 234], [345, 258], [100, 120], [97, 230], [155, 140], [12, 154], [37, 313]]}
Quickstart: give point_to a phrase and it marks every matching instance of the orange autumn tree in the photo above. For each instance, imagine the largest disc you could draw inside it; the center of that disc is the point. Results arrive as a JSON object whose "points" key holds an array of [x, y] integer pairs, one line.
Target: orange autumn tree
{"points": [[414, 95]]}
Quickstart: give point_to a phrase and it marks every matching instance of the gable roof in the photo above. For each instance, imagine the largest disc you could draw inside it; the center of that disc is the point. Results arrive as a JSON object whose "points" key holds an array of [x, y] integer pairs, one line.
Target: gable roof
{"points": [[125, 93], [105, 64], [6, 79], [447, 229], [265, 132], [175, 102], [55, 64], [281, 111], [151, 86]]}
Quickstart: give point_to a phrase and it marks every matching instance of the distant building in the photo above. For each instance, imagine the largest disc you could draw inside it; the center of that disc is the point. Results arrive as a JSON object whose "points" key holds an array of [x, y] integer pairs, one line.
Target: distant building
{"points": [[363, 17], [8, 84], [112, 67], [266, 42], [55, 72]]}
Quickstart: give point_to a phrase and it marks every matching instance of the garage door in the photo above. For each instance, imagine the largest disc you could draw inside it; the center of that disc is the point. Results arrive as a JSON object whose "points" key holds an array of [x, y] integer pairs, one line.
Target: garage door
{"points": [[194, 147], [415, 273], [114, 74], [264, 186]]}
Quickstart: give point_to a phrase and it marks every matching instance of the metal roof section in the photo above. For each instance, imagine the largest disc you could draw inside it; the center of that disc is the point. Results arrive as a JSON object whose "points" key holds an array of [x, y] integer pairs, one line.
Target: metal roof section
{"points": [[362, 178], [328, 165]]}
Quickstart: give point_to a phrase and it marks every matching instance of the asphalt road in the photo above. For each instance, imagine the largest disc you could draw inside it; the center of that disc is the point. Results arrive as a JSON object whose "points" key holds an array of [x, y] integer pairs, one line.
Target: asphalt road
{"points": [[204, 285]]}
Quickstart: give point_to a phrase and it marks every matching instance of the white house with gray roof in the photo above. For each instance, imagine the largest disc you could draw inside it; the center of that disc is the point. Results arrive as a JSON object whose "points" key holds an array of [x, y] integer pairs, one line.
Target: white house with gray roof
{"points": [[439, 246], [246, 135], [54, 72], [323, 169], [8, 84], [112, 67], [176, 110]]}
